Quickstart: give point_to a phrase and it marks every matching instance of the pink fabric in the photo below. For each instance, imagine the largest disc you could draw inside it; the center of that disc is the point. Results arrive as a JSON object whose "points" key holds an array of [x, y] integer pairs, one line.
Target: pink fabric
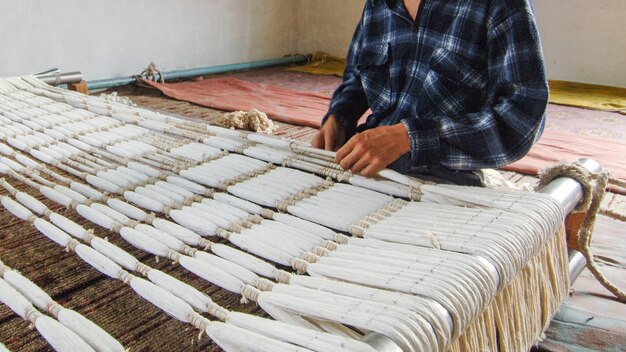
{"points": [[555, 146], [230, 94], [307, 109]]}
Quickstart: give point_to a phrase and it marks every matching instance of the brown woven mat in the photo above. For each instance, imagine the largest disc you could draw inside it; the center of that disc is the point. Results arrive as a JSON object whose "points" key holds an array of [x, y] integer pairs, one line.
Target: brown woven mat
{"points": [[136, 323]]}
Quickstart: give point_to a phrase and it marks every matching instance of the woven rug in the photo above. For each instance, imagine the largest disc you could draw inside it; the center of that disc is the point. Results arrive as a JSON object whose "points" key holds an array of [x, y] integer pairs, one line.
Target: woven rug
{"points": [[76, 285]]}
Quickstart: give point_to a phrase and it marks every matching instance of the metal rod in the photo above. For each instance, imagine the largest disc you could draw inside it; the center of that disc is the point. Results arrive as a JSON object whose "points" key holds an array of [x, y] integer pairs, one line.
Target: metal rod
{"points": [[568, 193], [47, 72], [200, 71], [61, 78]]}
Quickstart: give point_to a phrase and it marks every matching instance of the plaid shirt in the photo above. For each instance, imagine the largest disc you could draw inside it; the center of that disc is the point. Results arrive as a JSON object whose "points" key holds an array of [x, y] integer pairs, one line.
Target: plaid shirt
{"points": [[466, 78]]}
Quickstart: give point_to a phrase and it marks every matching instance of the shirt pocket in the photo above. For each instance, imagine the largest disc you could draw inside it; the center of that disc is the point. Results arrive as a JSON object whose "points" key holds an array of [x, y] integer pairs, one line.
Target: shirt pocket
{"points": [[454, 85], [373, 65]]}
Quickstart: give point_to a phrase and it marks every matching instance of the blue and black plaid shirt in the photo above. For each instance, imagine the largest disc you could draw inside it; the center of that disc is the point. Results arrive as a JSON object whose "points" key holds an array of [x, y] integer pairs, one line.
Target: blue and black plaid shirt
{"points": [[466, 78]]}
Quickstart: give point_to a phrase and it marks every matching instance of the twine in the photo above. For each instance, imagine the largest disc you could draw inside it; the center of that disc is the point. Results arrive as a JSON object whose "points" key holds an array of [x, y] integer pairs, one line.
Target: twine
{"points": [[283, 277], [32, 315], [267, 213], [594, 188], [310, 257], [53, 308], [300, 265], [217, 311], [264, 284], [249, 294], [142, 269]]}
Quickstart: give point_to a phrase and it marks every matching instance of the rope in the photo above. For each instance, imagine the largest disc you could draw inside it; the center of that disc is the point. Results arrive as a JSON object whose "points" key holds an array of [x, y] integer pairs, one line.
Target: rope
{"points": [[594, 187]]}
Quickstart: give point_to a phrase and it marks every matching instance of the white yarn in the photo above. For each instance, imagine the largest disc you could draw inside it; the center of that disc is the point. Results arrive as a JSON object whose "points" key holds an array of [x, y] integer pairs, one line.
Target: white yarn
{"points": [[247, 261], [161, 236], [86, 191], [212, 274], [114, 253], [143, 201], [156, 196], [104, 184], [181, 290], [189, 237], [314, 340], [16, 208], [235, 339], [94, 335], [262, 249], [204, 211], [56, 196], [68, 225], [60, 338], [234, 269], [72, 194], [52, 232], [194, 223], [170, 304], [111, 213], [238, 203], [127, 209], [14, 300], [99, 261], [32, 292], [95, 216], [144, 242], [12, 164], [307, 226], [31, 203], [186, 184]]}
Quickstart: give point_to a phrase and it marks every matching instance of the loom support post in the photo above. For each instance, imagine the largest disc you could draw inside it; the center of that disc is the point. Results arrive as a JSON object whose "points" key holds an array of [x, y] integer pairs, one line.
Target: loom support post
{"points": [[568, 193]]}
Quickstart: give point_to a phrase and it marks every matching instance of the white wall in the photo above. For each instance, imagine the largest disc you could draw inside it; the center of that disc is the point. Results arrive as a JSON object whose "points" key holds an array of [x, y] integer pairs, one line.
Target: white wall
{"points": [[328, 25], [108, 38], [583, 40]]}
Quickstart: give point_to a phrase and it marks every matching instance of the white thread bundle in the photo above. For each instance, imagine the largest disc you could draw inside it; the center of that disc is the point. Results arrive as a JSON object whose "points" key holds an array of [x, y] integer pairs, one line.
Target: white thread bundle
{"points": [[144, 242], [194, 222], [97, 338], [212, 274], [183, 234], [187, 293], [245, 260], [58, 336], [95, 216], [232, 338], [388, 320], [246, 276], [56, 196], [314, 340]]}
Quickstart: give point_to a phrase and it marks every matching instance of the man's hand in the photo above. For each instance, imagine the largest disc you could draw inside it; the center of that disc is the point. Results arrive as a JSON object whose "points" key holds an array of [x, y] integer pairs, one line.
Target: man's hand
{"points": [[331, 136], [373, 150]]}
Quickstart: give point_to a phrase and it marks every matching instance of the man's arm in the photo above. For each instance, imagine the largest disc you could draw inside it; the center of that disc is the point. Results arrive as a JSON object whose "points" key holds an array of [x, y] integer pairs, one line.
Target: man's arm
{"points": [[348, 103]]}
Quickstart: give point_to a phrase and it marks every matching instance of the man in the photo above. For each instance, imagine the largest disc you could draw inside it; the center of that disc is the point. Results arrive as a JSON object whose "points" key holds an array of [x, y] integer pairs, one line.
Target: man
{"points": [[454, 86]]}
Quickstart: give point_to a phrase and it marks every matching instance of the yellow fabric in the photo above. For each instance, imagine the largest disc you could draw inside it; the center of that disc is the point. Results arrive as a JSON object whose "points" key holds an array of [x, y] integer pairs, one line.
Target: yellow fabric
{"points": [[323, 64], [588, 96]]}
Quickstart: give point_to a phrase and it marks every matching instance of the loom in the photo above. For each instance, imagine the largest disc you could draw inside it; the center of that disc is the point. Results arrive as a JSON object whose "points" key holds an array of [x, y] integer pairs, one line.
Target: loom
{"points": [[339, 261]]}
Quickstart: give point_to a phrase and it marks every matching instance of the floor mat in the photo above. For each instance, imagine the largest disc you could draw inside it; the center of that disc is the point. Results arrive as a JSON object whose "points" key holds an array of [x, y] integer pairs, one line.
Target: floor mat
{"points": [[589, 96], [230, 94]]}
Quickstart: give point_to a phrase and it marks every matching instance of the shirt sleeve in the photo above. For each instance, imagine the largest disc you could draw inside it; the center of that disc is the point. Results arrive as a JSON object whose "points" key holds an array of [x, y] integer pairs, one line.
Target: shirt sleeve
{"points": [[349, 101], [511, 120]]}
